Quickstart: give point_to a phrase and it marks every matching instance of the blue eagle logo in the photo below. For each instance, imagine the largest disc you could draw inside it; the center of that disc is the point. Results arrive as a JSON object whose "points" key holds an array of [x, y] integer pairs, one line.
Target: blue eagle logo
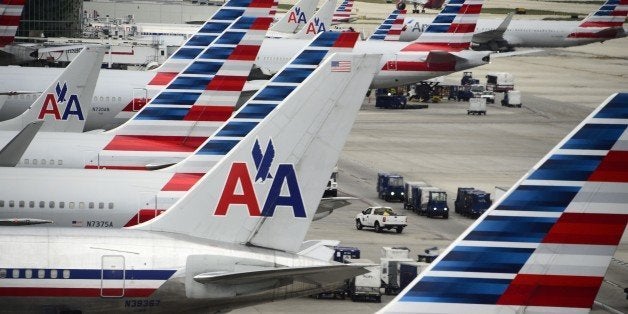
{"points": [[263, 161]]}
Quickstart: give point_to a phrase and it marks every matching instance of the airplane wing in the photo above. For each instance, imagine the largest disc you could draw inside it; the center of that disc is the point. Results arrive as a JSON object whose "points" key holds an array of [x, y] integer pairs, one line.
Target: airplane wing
{"points": [[329, 204], [11, 154], [493, 34], [306, 274]]}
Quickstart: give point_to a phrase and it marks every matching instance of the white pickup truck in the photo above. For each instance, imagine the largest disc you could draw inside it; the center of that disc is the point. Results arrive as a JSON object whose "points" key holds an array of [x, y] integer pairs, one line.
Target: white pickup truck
{"points": [[380, 218]]}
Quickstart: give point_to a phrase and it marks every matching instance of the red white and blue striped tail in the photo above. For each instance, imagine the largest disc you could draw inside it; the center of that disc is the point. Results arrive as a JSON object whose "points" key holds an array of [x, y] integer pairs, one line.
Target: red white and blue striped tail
{"points": [[606, 23], [343, 12], [391, 28], [196, 44], [546, 245], [452, 29], [199, 100], [251, 114], [10, 14]]}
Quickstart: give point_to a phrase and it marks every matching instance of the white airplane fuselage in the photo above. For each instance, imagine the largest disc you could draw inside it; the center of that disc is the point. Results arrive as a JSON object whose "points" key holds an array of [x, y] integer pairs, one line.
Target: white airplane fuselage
{"points": [[128, 271], [520, 33]]}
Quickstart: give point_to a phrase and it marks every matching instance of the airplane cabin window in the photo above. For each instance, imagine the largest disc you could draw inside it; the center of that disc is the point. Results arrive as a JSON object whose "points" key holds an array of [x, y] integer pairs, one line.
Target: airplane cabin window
{"points": [[28, 273], [91, 205], [26, 161], [52, 162], [110, 205], [101, 205], [81, 205], [53, 273], [3, 273], [34, 161], [119, 98], [71, 205], [31, 204], [21, 204], [60, 162], [51, 204], [1, 203], [16, 273], [41, 273], [61, 204], [66, 273], [42, 204], [95, 98], [11, 204]]}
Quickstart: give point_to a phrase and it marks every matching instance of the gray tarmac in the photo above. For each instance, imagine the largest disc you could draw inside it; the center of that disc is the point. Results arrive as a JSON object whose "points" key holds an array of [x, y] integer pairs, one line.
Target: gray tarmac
{"points": [[445, 147]]}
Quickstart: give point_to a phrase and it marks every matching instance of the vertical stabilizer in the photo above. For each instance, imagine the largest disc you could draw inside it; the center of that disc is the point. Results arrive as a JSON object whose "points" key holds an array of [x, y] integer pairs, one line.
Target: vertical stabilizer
{"points": [[320, 21], [605, 23], [65, 104], [546, 245], [296, 17], [343, 12], [279, 154], [452, 29], [10, 14], [391, 28]]}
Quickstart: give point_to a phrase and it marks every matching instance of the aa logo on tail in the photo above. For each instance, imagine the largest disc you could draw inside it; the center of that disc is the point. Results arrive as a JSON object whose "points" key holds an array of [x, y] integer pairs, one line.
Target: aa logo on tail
{"points": [[297, 16], [239, 180], [52, 101], [315, 27]]}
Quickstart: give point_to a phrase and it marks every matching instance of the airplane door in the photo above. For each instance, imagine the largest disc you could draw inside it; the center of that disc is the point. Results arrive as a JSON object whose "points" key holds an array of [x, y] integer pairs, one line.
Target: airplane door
{"points": [[112, 276], [392, 64], [139, 98]]}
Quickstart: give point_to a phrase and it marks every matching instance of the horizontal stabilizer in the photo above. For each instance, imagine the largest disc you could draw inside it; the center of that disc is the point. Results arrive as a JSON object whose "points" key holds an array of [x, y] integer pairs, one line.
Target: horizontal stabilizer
{"points": [[306, 274], [328, 205], [11, 154]]}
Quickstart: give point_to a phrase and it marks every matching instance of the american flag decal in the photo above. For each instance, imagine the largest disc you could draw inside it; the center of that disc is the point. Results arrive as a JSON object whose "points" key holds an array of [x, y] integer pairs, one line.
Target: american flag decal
{"points": [[341, 66], [77, 223]]}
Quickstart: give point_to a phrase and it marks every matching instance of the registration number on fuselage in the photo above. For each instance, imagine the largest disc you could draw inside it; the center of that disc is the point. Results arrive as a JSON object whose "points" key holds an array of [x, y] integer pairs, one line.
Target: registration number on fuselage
{"points": [[141, 303], [99, 224]]}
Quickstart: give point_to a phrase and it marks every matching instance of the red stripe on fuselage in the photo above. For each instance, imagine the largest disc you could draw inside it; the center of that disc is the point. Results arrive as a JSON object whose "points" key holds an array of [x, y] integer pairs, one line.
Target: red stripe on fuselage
{"points": [[419, 66], [426, 47], [208, 113], [551, 290], [182, 181], [601, 24], [163, 78], [461, 28], [594, 229], [72, 292], [613, 168], [154, 143]]}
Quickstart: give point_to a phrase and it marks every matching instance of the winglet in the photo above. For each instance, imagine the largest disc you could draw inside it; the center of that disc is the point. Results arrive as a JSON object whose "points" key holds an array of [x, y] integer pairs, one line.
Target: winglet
{"points": [[546, 245], [11, 153], [65, 104]]}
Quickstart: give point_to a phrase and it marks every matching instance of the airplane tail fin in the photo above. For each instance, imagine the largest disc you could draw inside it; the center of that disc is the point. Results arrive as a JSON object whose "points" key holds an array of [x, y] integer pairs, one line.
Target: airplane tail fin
{"points": [[320, 21], [206, 35], [193, 105], [546, 245], [296, 17], [452, 29], [64, 105], [605, 23], [277, 154], [391, 28], [10, 14], [343, 12], [190, 170]]}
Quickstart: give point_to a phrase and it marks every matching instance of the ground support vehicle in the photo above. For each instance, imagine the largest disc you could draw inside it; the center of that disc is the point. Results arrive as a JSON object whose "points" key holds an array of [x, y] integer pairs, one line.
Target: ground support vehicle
{"points": [[512, 99], [430, 201], [429, 255], [500, 82], [390, 187], [471, 202], [408, 202], [366, 287], [343, 252], [390, 274], [380, 218], [477, 106]]}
